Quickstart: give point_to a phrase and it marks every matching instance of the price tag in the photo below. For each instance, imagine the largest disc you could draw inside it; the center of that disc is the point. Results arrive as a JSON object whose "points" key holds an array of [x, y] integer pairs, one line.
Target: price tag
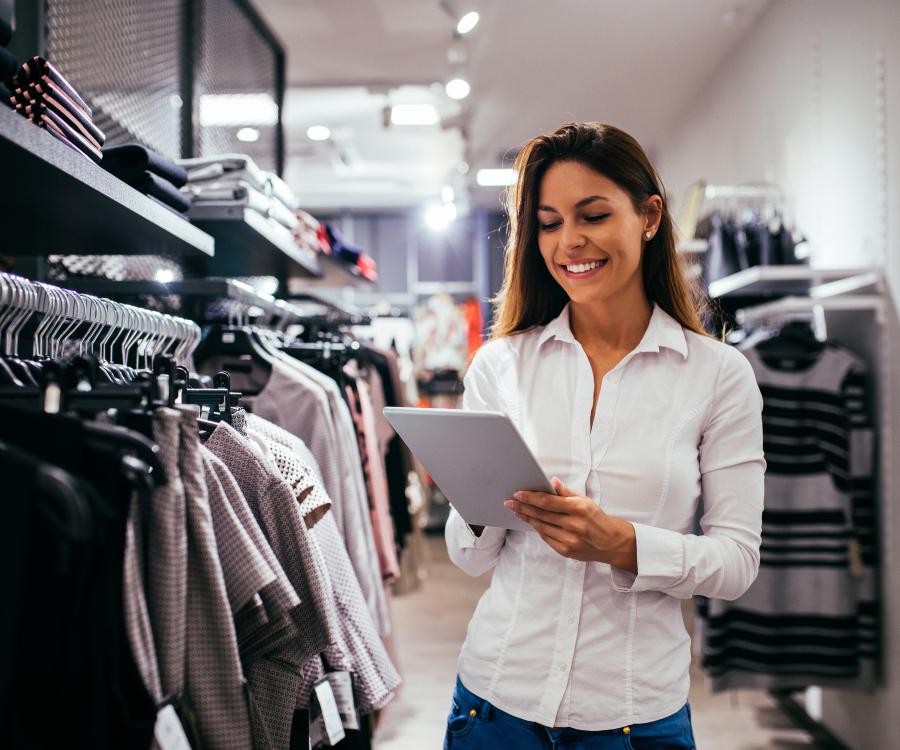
{"points": [[168, 732], [342, 687], [326, 728]]}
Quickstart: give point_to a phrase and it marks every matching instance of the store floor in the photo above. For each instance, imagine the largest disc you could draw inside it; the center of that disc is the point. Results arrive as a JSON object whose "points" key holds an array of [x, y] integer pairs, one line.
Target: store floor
{"points": [[430, 625]]}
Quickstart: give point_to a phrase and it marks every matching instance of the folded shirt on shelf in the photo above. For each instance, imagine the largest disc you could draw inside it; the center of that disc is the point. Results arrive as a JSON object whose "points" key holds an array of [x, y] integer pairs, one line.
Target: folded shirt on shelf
{"points": [[38, 70], [131, 162], [234, 168], [163, 190], [241, 194], [33, 108], [49, 120]]}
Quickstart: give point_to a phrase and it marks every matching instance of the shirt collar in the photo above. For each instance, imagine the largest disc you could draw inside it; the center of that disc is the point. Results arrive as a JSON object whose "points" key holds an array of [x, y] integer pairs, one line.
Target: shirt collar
{"points": [[663, 332]]}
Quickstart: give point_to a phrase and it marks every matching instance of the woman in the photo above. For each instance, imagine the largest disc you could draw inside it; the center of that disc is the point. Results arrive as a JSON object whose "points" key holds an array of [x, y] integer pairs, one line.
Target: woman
{"points": [[599, 358]]}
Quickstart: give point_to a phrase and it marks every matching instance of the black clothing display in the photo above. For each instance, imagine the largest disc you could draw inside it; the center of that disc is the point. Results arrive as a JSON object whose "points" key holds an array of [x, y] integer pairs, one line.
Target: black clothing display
{"points": [[131, 161]]}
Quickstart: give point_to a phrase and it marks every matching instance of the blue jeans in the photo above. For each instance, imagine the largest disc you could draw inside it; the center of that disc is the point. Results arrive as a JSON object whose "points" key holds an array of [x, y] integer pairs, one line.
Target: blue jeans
{"points": [[490, 728]]}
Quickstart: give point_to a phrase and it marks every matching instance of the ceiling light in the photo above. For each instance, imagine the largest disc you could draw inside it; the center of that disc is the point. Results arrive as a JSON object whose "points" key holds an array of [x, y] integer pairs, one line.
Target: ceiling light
{"points": [[165, 275], [414, 114], [318, 133], [439, 216], [496, 177], [237, 109], [447, 194], [248, 135], [468, 22], [458, 88]]}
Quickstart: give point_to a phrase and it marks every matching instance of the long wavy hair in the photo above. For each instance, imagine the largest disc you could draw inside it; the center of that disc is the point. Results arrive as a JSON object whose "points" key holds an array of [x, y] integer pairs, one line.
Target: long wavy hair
{"points": [[530, 296]]}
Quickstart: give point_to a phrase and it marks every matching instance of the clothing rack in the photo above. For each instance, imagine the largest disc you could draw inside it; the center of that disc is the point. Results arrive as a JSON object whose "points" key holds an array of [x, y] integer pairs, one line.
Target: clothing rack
{"points": [[65, 311]]}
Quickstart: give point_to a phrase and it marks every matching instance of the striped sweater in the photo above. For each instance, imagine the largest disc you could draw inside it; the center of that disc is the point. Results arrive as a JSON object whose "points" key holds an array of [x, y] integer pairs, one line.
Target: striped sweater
{"points": [[811, 616]]}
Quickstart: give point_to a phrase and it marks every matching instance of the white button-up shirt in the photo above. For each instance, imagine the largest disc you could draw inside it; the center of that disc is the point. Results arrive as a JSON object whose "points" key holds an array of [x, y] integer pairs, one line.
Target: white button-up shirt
{"points": [[567, 643]]}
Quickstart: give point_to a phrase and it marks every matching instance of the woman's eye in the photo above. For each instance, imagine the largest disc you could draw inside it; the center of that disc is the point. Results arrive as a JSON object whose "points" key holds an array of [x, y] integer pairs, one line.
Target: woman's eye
{"points": [[550, 226], [596, 219]]}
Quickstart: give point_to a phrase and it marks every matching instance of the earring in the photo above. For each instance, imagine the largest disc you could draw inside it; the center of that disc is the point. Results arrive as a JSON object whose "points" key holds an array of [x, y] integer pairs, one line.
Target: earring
{"points": [[648, 235]]}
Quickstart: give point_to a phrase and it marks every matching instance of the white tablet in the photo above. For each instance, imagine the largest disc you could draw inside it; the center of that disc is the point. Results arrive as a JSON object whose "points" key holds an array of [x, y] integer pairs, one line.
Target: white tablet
{"points": [[478, 459]]}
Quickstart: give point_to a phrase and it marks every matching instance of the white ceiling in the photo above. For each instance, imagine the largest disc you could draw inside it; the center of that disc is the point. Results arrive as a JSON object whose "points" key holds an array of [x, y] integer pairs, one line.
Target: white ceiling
{"points": [[533, 64]]}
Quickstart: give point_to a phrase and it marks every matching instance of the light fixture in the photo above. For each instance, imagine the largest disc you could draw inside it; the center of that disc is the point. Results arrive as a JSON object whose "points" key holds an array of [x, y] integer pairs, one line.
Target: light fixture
{"points": [[165, 275], [468, 22], [439, 215], [248, 135], [458, 88], [414, 114], [318, 133], [447, 194], [496, 177], [226, 110]]}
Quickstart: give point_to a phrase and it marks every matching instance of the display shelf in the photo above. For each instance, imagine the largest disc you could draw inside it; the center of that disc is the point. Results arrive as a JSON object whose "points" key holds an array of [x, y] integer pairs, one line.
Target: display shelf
{"points": [[248, 243], [58, 201], [213, 288], [338, 273], [786, 306], [778, 280]]}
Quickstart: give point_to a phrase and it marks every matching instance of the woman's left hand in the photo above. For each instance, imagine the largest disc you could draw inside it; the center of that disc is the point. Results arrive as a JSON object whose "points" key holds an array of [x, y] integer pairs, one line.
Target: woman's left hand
{"points": [[576, 527]]}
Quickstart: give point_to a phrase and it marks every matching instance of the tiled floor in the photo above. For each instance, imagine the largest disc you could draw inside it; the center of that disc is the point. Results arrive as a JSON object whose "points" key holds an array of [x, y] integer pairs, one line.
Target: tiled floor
{"points": [[430, 626]]}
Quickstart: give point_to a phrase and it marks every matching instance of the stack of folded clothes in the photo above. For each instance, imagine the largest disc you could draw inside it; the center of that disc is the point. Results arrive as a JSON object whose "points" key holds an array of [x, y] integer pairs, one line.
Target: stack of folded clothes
{"points": [[8, 64], [309, 233], [357, 261], [235, 180], [151, 173], [46, 98]]}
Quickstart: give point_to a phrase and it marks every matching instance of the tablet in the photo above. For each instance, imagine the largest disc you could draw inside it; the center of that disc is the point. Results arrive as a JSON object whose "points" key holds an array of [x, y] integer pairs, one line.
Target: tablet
{"points": [[478, 459]]}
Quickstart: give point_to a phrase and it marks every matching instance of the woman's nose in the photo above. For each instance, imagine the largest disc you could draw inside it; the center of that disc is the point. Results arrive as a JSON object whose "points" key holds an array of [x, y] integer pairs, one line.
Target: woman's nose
{"points": [[570, 237]]}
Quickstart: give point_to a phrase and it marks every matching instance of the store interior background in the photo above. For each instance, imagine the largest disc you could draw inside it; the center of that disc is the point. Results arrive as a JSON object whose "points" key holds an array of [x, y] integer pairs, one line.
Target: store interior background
{"points": [[803, 94], [800, 94]]}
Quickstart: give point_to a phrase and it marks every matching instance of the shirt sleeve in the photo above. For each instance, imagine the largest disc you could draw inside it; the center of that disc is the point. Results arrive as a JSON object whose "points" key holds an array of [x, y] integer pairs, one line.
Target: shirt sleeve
{"points": [[476, 554], [722, 562]]}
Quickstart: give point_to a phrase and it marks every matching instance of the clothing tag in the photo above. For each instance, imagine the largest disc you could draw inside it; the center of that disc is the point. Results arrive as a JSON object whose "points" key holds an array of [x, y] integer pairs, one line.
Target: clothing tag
{"points": [[328, 718], [342, 686], [168, 732]]}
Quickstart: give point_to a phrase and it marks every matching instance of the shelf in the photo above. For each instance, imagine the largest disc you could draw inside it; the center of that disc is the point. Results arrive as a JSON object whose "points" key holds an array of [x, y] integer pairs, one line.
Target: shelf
{"points": [[58, 201], [214, 288], [778, 280], [249, 244], [786, 306]]}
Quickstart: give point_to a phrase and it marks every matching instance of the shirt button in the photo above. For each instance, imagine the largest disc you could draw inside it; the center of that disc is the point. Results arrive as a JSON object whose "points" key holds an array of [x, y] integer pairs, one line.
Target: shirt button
{"points": [[563, 666], [626, 730], [473, 713]]}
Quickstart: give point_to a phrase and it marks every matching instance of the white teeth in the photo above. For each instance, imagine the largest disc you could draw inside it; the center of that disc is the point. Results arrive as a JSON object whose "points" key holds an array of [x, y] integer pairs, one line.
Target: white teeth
{"points": [[584, 267]]}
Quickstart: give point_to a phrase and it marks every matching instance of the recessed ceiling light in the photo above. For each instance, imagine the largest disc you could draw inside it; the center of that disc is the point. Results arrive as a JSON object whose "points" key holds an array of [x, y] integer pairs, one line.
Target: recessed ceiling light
{"points": [[414, 114], [458, 88], [496, 177], [318, 133], [468, 22], [248, 135]]}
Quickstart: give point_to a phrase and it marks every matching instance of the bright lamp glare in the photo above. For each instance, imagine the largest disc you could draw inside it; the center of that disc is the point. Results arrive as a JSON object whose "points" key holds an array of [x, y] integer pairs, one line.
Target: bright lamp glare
{"points": [[248, 135], [458, 88], [447, 194], [414, 114], [468, 22], [318, 133], [496, 177], [227, 110], [164, 276], [439, 216]]}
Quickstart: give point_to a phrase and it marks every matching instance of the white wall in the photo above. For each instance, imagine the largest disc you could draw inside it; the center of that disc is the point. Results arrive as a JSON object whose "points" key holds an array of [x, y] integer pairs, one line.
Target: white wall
{"points": [[810, 100]]}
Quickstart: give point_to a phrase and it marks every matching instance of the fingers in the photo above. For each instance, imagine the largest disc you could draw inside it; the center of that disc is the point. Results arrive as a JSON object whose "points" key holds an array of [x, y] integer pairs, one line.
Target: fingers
{"points": [[528, 512], [561, 489], [545, 500]]}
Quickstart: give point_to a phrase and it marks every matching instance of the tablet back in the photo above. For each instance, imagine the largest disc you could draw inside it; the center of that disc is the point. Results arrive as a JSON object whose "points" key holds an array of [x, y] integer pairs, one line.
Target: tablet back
{"points": [[478, 459]]}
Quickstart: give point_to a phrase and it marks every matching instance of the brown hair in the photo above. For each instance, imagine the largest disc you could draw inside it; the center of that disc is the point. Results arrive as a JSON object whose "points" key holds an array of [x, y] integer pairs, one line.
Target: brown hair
{"points": [[530, 296]]}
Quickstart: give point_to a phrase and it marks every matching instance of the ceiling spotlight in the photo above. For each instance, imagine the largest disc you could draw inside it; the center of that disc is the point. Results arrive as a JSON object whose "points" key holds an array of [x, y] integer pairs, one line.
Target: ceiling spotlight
{"points": [[165, 275], [468, 22], [248, 135], [414, 114], [318, 133], [496, 177], [458, 88], [224, 110]]}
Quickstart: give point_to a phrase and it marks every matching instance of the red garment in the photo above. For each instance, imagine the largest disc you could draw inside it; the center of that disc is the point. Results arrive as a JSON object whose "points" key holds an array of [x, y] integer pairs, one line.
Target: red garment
{"points": [[368, 267], [475, 324], [322, 234]]}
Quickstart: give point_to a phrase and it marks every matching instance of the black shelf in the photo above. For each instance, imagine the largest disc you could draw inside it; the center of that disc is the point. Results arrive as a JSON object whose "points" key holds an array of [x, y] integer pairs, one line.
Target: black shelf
{"points": [[249, 244], [58, 201]]}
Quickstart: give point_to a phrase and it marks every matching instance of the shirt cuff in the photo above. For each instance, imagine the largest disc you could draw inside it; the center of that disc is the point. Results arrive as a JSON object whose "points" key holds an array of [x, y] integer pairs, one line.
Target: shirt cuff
{"points": [[466, 539], [660, 561]]}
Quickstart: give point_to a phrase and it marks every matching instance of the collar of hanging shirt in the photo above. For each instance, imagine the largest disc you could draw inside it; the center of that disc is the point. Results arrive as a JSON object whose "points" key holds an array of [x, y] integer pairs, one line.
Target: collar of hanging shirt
{"points": [[563, 642]]}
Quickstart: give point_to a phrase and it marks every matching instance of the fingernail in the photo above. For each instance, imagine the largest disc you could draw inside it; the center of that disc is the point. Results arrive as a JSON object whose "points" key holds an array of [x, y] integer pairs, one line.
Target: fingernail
{"points": [[517, 495], [508, 503]]}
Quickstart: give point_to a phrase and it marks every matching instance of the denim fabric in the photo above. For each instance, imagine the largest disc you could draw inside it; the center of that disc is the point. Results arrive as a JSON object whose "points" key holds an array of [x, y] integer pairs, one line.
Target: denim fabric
{"points": [[475, 724]]}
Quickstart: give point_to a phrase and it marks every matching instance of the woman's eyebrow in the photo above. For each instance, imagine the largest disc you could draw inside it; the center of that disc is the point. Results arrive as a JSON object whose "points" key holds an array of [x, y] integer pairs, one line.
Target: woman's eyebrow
{"points": [[582, 202]]}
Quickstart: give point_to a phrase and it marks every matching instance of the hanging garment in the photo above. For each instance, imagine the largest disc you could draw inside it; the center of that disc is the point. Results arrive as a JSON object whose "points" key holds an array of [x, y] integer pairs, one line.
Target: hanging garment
{"points": [[809, 618]]}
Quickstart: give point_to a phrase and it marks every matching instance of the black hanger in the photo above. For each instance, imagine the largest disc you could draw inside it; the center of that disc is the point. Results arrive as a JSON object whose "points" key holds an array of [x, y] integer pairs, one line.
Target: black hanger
{"points": [[234, 342]]}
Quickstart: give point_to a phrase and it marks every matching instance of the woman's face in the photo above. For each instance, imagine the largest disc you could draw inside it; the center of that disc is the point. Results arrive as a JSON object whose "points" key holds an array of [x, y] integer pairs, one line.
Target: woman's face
{"points": [[589, 234]]}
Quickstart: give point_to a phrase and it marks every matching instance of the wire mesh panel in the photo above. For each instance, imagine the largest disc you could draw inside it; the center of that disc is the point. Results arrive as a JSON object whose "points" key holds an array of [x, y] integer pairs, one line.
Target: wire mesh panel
{"points": [[124, 58], [236, 69]]}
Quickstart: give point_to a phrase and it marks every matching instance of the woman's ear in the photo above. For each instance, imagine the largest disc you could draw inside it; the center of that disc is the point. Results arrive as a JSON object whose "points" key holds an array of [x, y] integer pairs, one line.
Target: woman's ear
{"points": [[653, 208]]}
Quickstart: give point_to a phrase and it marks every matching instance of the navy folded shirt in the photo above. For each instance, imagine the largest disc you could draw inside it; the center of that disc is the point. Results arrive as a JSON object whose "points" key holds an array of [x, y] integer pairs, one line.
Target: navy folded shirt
{"points": [[131, 161], [37, 70], [163, 190], [51, 96]]}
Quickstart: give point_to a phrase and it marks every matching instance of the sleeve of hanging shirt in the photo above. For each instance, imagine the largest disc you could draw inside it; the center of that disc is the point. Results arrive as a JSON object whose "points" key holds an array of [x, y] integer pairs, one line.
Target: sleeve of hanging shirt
{"points": [[470, 553], [722, 562]]}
